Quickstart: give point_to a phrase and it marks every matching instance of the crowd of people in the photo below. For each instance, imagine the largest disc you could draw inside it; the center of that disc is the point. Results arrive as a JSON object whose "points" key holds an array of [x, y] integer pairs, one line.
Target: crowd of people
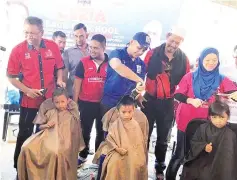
{"points": [[64, 91]]}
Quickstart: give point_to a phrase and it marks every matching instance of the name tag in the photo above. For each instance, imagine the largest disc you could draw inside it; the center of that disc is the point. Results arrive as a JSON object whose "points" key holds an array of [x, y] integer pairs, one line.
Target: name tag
{"points": [[139, 69]]}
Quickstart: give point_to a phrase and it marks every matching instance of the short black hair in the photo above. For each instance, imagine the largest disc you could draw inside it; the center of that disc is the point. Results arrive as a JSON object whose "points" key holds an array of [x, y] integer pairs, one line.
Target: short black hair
{"points": [[127, 100], [79, 26], [100, 38], [60, 91], [32, 20], [59, 33], [218, 108]]}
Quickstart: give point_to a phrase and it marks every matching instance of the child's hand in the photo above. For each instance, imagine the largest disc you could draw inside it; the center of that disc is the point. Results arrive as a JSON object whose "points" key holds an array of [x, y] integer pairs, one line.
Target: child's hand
{"points": [[51, 124], [208, 148], [121, 151]]}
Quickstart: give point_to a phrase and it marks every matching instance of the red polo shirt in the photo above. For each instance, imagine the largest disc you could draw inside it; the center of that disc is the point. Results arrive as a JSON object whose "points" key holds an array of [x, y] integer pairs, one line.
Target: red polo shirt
{"points": [[93, 78], [37, 68]]}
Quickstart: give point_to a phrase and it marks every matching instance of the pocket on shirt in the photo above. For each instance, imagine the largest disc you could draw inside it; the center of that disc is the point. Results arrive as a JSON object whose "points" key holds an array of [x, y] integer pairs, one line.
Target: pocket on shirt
{"points": [[49, 64]]}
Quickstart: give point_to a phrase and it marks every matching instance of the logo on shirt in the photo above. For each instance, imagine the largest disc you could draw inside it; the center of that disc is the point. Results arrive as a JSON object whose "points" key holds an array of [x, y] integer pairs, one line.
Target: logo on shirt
{"points": [[139, 69], [95, 79], [48, 53], [27, 56]]}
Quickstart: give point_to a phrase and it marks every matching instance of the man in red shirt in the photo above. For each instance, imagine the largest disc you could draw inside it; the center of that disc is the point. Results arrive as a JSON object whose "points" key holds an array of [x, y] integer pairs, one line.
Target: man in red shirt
{"points": [[35, 58], [88, 89]]}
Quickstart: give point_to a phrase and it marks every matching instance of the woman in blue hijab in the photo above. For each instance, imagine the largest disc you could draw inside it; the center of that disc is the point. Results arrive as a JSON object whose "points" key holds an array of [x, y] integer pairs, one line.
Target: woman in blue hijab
{"points": [[206, 79], [195, 91]]}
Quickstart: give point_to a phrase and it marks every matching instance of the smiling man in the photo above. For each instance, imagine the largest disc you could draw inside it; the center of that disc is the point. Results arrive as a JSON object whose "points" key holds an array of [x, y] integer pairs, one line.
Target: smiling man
{"points": [[166, 65], [35, 58], [88, 88]]}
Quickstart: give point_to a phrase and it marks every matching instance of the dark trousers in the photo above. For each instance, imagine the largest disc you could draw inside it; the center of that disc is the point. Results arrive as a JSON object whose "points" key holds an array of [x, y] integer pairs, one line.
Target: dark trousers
{"points": [[160, 112], [89, 111], [27, 115], [104, 109], [177, 157]]}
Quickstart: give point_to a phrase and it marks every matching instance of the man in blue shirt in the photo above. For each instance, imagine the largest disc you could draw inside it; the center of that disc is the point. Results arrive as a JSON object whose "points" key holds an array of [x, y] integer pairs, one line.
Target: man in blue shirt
{"points": [[125, 72]]}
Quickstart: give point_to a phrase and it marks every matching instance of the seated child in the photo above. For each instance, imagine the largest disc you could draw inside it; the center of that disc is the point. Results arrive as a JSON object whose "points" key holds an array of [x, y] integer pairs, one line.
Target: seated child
{"points": [[125, 144], [52, 152], [113, 114], [213, 152]]}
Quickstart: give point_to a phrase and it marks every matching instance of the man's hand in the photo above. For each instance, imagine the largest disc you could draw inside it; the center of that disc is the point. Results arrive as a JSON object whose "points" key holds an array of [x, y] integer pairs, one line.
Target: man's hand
{"points": [[33, 93], [51, 124], [195, 102], [140, 99], [61, 83], [140, 87], [121, 151], [208, 148]]}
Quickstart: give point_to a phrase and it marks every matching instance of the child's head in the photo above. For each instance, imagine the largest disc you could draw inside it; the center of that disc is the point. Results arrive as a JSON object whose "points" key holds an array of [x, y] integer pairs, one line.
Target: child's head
{"points": [[219, 113], [126, 108], [60, 98]]}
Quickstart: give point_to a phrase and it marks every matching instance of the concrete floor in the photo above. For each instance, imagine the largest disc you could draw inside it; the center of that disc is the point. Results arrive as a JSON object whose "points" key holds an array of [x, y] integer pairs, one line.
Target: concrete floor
{"points": [[7, 172]]}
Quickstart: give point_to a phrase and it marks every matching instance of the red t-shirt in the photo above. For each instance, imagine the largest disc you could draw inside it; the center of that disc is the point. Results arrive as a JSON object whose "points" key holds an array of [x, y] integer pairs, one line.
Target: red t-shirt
{"points": [[37, 68], [93, 78]]}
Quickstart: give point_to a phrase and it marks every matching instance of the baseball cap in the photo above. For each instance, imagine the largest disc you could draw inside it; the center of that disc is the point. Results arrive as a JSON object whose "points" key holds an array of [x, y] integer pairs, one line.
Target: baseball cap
{"points": [[143, 39]]}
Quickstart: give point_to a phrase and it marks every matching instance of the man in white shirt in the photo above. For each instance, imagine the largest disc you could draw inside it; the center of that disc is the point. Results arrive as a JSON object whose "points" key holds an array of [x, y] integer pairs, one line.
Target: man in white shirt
{"points": [[231, 70]]}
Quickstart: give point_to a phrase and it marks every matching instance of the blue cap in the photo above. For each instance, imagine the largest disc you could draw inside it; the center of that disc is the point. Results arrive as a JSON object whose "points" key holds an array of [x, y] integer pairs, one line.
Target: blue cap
{"points": [[143, 39]]}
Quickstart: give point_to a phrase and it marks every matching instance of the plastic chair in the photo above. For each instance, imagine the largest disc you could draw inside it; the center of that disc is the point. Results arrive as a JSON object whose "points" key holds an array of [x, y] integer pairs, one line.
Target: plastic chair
{"points": [[10, 109]]}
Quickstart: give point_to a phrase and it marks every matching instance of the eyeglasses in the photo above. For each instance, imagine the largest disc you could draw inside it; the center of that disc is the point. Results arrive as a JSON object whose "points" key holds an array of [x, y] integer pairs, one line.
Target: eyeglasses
{"points": [[31, 33]]}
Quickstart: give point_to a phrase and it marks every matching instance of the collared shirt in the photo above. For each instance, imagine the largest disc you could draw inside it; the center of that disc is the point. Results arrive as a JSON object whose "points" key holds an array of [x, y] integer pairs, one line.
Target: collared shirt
{"points": [[71, 58], [117, 86], [93, 77], [37, 68]]}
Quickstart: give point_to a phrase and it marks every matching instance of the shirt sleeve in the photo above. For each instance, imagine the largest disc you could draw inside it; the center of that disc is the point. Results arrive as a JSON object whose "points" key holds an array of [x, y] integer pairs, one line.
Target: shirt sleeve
{"points": [[58, 58], [181, 97], [143, 73], [183, 85], [66, 59], [80, 70], [13, 67], [148, 58], [228, 85], [114, 54], [187, 65]]}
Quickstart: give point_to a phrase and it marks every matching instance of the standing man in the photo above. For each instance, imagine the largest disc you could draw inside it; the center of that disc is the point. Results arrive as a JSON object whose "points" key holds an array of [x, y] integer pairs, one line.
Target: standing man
{"points": [[125, 71], [60, 39], [88, 88], [73, 55], [166, 65], [35, 58], [231, 70]]}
